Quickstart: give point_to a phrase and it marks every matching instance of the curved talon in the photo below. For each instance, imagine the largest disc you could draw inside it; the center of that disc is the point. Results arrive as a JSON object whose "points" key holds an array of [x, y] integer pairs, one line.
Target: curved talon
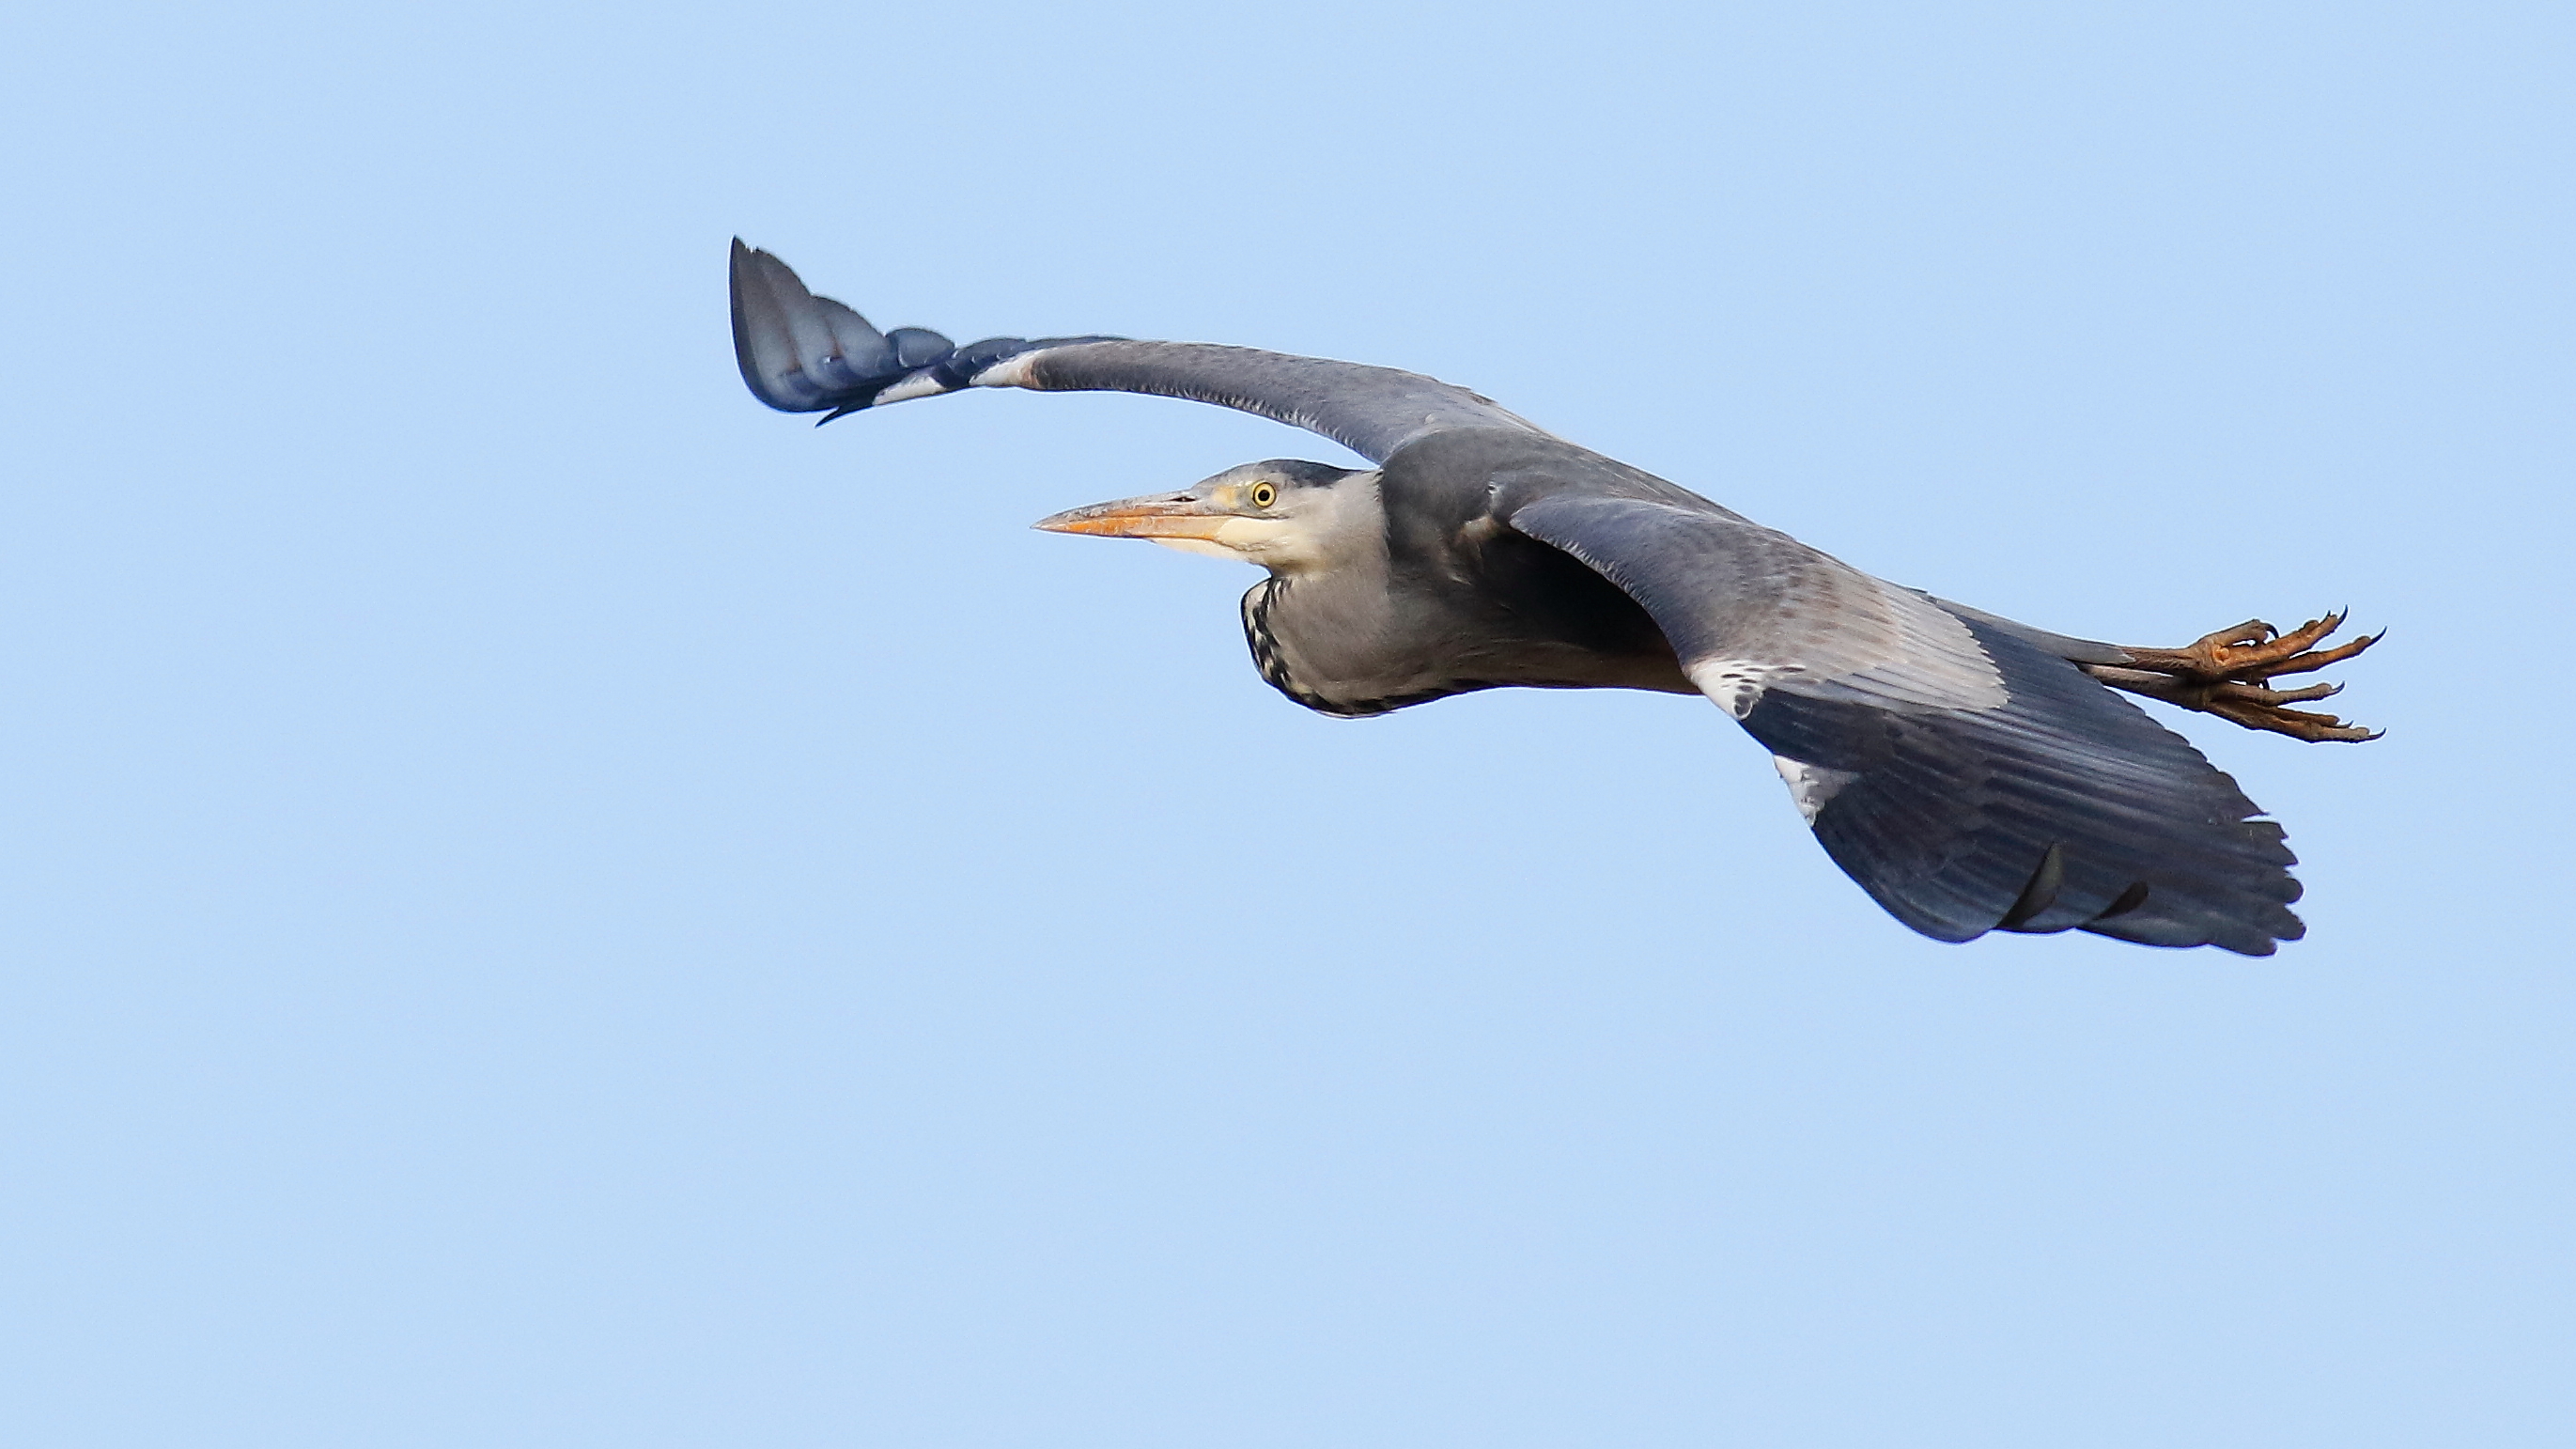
{"points": [[2305, 663], [2298, 724], [2256, 694]]}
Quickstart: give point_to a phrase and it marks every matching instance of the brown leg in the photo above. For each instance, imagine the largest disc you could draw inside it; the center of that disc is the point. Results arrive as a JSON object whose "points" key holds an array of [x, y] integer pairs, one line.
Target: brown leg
{"points": [[2228, 673]]}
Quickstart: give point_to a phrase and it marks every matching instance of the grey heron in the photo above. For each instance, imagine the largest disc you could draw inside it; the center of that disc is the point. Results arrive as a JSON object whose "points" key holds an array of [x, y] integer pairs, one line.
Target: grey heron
{"points": [[1969, 772]]}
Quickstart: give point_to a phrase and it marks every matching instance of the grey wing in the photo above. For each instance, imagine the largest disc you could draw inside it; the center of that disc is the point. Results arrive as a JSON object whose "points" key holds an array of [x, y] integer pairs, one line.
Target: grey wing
{"points": [[803, 353], [1966, 777], [1749, 608], [2064, 646]]}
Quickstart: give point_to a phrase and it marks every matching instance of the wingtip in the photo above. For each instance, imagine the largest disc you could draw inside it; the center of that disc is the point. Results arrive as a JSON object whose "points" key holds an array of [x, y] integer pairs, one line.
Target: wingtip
{"points": [[801, 353]]}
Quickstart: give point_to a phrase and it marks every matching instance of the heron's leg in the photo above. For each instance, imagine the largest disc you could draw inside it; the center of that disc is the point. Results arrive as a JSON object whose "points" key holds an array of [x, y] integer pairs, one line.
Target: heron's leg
{"points": [[2229, 674]]}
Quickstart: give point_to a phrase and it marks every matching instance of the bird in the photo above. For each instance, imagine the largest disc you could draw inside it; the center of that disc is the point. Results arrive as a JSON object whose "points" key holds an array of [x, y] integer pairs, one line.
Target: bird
{"points": [[1970, 773]]}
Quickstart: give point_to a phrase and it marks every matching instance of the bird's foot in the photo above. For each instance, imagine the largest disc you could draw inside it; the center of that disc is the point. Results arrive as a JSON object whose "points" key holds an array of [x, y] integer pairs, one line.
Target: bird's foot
{"points": [[2229, 674]]}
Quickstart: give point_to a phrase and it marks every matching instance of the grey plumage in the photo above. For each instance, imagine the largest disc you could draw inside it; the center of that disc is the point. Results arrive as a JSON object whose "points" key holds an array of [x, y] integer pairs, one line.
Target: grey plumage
{"points": [[1963, 768], [802, 353]]}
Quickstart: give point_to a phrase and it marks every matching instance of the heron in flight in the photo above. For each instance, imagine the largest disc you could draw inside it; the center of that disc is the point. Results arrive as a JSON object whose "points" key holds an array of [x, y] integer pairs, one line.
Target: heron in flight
{"points": [[1971, 773]]}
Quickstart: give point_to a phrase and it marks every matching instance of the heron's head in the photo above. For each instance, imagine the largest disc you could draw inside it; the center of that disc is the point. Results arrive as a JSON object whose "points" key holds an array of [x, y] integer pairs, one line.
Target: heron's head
{"points": [[1285, 515]]}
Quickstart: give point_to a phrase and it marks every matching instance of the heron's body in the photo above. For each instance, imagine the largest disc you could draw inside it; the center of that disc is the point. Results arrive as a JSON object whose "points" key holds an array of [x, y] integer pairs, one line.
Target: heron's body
{"points": [[1969, 772], [1437, 596]]}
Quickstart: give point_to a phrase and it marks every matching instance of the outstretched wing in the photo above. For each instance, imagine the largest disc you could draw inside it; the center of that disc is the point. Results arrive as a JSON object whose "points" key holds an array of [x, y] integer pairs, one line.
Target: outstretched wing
{"points": [[801, 353], [1967, 778]]}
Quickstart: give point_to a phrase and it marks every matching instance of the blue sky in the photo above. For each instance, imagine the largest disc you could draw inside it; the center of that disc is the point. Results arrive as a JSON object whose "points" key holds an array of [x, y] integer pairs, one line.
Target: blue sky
{"points": [[550, 905]]}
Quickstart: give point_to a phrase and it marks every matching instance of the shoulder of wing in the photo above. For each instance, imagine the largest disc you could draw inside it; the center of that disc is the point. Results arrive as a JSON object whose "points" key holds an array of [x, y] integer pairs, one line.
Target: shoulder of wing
{"points": [[1749, 609]]}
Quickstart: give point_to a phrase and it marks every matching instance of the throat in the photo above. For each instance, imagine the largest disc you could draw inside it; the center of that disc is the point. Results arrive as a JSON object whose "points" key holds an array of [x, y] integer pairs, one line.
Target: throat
{"points": [[1268, 655], [1349, 688]]}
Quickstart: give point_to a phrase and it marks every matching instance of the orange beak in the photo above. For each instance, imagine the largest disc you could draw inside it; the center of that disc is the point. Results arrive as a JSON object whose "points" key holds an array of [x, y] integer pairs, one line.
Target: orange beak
{"points": [[1160, 515]]}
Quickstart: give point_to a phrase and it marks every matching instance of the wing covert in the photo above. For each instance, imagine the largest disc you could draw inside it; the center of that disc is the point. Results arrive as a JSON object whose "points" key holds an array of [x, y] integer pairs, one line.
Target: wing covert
{"points": [[1749, 608]]}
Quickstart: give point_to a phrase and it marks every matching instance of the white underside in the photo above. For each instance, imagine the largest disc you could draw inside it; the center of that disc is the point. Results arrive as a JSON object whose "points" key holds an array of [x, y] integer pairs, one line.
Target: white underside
{"points": [[1009, 372], [1244, 540], [1736, 684], [1811, 786], [919, 385], [1206, 546]]}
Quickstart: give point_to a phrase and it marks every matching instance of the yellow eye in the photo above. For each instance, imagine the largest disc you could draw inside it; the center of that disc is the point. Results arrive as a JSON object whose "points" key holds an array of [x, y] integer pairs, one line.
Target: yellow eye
{"points": [[1263, 495]]}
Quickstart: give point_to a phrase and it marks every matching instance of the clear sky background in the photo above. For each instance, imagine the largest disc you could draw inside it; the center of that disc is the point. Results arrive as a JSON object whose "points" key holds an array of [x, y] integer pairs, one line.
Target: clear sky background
{"points": [[546, 904]]}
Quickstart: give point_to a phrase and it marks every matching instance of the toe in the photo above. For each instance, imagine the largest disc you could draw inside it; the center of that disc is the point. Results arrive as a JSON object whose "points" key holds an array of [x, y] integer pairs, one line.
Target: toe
{"points": [[2319, 659]]}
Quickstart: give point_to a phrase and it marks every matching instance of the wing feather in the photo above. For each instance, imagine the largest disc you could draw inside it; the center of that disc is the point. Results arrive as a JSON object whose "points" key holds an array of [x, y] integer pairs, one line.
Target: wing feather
{"points": [[1758, 609], [1964, 775], [803, 353]]}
